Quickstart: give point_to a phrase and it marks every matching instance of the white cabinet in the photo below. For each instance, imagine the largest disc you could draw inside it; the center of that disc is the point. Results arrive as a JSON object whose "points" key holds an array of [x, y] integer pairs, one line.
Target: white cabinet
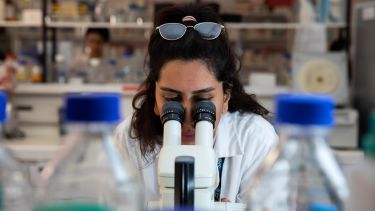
{"points": [[40, 103]]}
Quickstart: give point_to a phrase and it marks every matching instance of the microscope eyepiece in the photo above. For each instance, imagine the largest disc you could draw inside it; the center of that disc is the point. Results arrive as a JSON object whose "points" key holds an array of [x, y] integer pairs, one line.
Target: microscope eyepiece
{"points": [[172, 110], [204, 111]]}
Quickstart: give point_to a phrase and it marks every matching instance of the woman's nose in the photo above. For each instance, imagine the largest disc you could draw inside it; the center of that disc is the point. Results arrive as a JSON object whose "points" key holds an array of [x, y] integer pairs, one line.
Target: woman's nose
{"points": [[188, 120]]}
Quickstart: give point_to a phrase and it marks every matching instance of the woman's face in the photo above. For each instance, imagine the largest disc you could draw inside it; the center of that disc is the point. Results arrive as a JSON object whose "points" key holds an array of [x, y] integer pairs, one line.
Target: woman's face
{"points": [[189, 82], [94, 45]]}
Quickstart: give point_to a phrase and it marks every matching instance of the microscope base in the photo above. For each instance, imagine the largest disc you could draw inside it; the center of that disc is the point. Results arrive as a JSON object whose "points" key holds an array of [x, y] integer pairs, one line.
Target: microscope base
{"points": [[203, 201], [201, 197], [218, 206]]}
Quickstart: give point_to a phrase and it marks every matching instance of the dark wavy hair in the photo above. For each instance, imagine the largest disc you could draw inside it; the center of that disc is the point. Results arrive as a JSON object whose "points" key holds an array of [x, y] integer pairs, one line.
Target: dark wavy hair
{"points": [[102, 32], [217, 54]]}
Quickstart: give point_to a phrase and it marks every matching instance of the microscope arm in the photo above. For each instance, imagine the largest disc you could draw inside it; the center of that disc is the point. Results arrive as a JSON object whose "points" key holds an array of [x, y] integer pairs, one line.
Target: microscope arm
{"points": [[184, 182]]}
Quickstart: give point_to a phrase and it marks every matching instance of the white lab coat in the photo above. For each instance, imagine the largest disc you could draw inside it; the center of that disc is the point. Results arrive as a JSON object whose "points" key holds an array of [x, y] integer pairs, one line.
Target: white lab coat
{"points": [[244, 140]]}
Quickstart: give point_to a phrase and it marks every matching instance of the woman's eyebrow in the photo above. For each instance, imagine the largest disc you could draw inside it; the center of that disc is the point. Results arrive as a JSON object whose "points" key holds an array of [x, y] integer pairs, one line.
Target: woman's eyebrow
{"points": [[169, 90], [205, 90], [199, 91]]}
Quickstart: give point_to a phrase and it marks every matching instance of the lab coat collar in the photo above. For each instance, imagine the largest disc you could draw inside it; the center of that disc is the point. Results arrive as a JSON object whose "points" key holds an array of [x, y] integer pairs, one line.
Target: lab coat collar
{"points": [[226, 139]]}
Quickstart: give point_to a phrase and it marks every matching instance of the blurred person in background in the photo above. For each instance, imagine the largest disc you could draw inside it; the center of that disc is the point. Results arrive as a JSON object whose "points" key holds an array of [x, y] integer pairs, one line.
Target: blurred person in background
{"points": [[86, 66], [95, 39]]}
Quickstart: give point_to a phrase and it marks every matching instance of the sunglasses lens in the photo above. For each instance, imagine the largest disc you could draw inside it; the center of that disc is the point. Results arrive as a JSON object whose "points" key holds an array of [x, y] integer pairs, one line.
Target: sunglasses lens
{"points": [[172, 31], [208, 30]]}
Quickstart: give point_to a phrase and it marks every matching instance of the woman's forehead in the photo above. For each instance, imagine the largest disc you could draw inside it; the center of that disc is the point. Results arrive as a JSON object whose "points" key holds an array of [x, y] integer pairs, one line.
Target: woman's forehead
{"points": [[187, 75], [191, 72]]}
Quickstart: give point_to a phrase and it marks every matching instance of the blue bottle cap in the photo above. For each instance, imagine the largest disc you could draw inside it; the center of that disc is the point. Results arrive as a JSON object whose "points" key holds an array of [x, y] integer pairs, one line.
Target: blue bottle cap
{"points": [[22, 62], [304, 109], [93, 107], [82, 73], [112, 62], [322, 207], [3, 106], [127, 54]]}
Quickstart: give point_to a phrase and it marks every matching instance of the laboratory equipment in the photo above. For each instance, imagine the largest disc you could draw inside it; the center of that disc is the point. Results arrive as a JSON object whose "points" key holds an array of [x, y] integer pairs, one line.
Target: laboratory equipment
{"points": [[187, 174], [15, 191], [88, 172], [362, 34], [362, 176], [61, 69], [302, 173], [95, 71], [322, 73]]}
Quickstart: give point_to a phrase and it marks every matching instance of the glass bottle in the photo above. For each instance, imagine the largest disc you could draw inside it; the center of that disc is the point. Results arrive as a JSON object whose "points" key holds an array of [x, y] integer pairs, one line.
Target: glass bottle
{"points": [[301, 174], [89, 173], [15, 190]]}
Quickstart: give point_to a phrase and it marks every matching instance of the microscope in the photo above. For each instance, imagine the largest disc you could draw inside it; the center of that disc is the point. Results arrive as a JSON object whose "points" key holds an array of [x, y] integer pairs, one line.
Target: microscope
{"points": [[188, 174]]}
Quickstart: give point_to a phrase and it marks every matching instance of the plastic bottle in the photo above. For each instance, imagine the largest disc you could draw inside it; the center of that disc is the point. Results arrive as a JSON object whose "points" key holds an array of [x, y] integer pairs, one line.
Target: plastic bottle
{"points": [[115, 73], [15, 190], [89, 173], [101, 11], [2, 10], [78, 74], [119, 76], [22, 74], [362, 178], [10, 11], [61, 69], [94, 72], [139, 65], [8, 71], [110, 70], [302, 174], [137, 11], [128, 68]]}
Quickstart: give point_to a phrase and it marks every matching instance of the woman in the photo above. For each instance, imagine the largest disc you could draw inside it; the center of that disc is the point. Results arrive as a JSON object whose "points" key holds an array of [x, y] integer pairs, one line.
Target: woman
{"points": [[90, 67], [188, 67]]}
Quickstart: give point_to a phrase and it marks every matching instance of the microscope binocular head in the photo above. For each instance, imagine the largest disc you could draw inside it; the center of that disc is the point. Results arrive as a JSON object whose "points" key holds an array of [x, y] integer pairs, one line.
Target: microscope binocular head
{"points": [[203, 111]]}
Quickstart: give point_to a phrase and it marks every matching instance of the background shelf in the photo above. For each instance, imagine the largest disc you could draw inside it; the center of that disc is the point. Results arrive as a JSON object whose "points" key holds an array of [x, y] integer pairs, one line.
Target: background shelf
{"points": [[148, 25]]}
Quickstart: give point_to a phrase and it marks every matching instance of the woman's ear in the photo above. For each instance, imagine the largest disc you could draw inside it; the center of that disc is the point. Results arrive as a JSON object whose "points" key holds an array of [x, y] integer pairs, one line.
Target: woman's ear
{"points": [[226, 101]]}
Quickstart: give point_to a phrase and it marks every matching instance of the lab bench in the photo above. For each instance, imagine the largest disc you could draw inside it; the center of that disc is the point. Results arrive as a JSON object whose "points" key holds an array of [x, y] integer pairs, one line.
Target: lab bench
{"points": [[33, 153]]}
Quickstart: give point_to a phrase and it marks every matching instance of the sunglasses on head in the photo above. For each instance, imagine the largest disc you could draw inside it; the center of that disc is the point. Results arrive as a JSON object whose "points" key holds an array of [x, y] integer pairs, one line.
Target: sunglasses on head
{"points": [[174, 31]]}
